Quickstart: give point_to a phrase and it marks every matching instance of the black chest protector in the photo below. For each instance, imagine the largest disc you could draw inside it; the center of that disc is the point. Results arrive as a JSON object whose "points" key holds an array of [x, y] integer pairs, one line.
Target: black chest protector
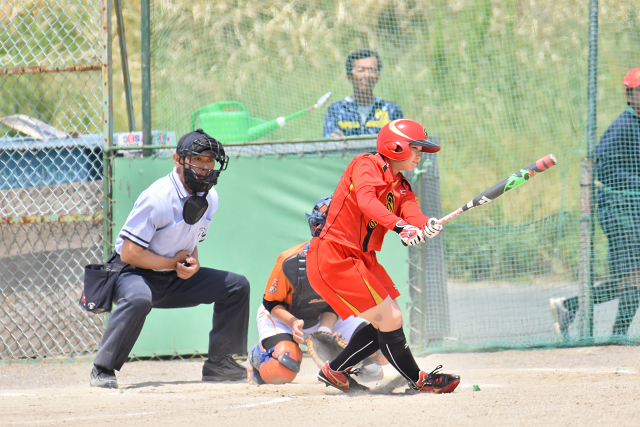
{"points": [[306, 304]]}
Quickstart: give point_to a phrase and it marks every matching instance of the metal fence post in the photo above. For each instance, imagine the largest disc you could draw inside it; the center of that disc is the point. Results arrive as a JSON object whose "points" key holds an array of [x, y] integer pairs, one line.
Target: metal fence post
{"points": [[126, 80], [145, 12], [416, 309], [107, 114], [585, 276], [587, 219], [435, 299]]}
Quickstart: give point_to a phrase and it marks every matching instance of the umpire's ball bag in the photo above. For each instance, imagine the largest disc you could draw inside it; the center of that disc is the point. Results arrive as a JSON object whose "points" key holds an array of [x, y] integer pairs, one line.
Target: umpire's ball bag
{"points": [[99, 283]]}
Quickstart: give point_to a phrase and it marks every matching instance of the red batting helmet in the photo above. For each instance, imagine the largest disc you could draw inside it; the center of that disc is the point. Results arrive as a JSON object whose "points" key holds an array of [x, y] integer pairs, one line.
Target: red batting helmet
{"points": [[394, 139], [632, 79]]}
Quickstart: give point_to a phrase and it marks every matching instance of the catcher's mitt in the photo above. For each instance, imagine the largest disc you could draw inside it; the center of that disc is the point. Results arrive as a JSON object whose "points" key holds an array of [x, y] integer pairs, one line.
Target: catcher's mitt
{"points": [[324, 346]]}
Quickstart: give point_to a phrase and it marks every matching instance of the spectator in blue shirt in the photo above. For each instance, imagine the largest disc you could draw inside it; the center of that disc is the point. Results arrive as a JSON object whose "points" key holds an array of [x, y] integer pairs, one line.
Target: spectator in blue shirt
{"points": [[158, 248], [361, 113], [618, 199]]}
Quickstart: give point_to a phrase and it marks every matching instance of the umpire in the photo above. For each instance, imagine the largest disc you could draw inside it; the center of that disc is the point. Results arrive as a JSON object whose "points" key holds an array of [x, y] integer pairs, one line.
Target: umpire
{"points": [[158, 242]]}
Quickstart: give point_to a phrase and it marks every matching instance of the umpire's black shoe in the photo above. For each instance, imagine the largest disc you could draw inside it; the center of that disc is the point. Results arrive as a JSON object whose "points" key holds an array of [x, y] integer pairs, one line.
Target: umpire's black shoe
{"points": [[104, 378], [226, 369]]}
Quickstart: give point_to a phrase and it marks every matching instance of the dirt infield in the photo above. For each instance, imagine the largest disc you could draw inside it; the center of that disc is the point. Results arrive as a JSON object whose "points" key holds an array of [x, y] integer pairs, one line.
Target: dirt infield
{"points": [[569, 387]]}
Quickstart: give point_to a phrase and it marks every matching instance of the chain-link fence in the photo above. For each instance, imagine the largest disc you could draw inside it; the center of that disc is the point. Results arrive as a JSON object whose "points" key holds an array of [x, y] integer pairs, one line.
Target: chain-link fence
{"points": [[503, 83], [51, 138]]}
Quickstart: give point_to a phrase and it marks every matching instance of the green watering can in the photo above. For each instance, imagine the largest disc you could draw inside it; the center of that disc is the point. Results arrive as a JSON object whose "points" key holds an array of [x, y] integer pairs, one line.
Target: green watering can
{"points": [[229, 121]]}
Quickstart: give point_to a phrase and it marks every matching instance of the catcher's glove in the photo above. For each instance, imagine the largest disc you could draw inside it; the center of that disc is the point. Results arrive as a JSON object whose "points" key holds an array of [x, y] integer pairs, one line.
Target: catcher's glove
{"points": [[324, 346]]}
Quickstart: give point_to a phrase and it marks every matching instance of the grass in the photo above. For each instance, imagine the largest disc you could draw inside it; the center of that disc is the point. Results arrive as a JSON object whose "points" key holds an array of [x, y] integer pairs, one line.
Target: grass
{"points": [[502, 82]]}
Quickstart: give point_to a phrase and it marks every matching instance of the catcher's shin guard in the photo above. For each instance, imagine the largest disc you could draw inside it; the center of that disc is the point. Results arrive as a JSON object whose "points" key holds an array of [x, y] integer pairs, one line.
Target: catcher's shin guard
{"points": [[436, 382], [253, 375], [253, 365], [340, 380]]}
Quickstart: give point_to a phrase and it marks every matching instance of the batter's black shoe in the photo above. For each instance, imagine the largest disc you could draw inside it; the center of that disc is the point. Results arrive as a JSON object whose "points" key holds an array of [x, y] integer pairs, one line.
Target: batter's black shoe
{"points": [[104, 378], [226, 369]]}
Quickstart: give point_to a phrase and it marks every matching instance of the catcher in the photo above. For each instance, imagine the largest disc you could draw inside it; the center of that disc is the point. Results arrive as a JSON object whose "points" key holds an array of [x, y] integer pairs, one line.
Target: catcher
{"points": [[292, 313]]}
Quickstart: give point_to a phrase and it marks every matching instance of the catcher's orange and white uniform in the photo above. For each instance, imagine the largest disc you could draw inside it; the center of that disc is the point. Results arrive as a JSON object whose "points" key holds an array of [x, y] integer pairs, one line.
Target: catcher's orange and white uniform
{"points": [[303, 303]]}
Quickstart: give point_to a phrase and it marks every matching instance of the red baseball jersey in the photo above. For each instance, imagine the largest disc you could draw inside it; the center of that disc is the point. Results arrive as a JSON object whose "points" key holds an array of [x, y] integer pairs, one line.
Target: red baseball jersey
{"points": [[369, 201]]}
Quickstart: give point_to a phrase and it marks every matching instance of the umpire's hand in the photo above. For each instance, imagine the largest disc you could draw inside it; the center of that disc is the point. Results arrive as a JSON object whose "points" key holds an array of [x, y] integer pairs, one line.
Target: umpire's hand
{"points": [[187, 269]]}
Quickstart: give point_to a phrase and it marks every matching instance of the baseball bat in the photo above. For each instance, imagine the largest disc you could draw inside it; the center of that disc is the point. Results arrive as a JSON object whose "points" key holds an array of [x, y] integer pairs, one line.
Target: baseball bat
{"points": [[507, 184]]}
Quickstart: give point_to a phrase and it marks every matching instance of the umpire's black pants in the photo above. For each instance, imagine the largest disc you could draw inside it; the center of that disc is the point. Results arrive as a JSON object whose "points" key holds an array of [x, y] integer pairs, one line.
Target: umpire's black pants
{"points": [[138, 291]]}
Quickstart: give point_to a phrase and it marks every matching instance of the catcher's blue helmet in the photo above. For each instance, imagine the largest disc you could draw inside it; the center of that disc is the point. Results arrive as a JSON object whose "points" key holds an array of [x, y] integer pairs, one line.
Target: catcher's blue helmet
{"points": [[319, 215]]}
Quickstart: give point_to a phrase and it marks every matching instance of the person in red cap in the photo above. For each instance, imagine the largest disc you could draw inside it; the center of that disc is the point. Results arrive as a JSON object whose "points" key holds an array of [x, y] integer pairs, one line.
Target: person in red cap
{"points": [[618, 199], [372, 198]]}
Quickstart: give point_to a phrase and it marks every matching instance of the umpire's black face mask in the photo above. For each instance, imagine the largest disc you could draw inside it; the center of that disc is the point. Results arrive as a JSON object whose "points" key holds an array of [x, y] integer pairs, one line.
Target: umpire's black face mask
{"points": [[199, 179], [198, 171], [197, 154]]}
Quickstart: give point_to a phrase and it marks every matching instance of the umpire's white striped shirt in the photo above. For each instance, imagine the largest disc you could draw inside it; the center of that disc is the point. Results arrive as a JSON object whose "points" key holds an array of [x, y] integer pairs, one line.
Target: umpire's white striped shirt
{"points": [[156, 221]]}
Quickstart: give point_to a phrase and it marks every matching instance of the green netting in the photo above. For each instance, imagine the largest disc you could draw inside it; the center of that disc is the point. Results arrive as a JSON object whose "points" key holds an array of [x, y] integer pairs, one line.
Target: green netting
{"points": [[617, 171], [501, 82]]}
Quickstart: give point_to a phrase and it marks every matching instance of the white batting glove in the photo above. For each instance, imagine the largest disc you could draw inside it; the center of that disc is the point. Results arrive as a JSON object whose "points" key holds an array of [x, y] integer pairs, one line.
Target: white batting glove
{"points": [[432, 228], [409, 234]]}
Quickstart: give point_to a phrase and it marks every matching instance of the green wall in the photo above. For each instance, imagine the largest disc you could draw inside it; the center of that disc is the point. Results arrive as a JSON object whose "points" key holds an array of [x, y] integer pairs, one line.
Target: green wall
{"points": [[261, 213]]}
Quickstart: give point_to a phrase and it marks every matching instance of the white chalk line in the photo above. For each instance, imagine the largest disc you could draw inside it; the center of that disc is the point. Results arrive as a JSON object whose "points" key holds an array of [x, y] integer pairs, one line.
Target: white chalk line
{"points": [[91, 417], [15, 394], [481, 385], [137, 414], [268, 402], [585, 370]]}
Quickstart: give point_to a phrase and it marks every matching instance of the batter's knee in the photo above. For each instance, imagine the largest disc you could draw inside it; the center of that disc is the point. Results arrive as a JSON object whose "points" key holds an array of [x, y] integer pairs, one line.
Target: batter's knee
{"points": [[396, 318]]}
